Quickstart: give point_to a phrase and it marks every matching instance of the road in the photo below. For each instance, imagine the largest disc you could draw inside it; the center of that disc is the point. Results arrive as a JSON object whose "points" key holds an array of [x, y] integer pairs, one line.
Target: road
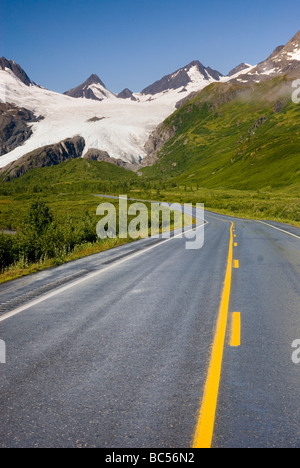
{"points": [[118, 349]]}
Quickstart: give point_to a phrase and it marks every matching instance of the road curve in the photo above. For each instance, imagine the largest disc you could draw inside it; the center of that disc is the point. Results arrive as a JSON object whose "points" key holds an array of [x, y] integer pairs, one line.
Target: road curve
{"points": [[114, 349]]}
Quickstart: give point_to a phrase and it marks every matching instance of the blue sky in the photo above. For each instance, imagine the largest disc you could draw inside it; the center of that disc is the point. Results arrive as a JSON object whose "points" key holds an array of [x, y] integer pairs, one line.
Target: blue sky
{"points": [[134, 43]]}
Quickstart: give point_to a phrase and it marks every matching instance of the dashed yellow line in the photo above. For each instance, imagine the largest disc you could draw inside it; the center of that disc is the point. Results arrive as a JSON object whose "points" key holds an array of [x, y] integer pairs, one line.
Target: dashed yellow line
{"points": [[206, 421], [236, 264], [236, 330]]}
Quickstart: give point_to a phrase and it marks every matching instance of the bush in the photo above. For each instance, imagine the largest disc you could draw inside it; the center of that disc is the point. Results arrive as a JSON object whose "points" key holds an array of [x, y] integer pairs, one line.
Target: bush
{"points": [[43, 237], [8, 251], [39, 217]]}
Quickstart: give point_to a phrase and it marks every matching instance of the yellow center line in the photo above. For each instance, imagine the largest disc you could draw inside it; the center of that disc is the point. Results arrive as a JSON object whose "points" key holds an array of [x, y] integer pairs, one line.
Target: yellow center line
{"points": [[236, 264], [206, 421], [236, 330], [235, 244]]}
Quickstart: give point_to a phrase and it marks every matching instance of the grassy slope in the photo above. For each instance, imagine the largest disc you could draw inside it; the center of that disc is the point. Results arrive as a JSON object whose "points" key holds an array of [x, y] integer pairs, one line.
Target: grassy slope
{"points": [[66, 188], [214, 146], [75, 175]]}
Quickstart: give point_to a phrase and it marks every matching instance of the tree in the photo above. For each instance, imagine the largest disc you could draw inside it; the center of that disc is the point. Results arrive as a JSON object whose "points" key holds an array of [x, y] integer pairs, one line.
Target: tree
{"points": [[40, 217]]}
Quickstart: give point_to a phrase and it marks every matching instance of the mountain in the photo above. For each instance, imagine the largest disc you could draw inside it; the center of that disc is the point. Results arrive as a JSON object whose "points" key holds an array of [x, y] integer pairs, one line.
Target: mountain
{"points": [[15, 121], [285, 60], [93, 88], [121, 126], [239, 69], [265, 88], [46, 156], [194, 73], [126, 94], [233, 74], [15, 127], [11, 66], [192, 77], [232, 136]]}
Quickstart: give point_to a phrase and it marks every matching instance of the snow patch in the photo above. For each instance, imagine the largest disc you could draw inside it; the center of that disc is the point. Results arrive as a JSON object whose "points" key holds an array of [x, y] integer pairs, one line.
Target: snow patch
{"points": [[295, 55], [269, 72], [195, 75]]}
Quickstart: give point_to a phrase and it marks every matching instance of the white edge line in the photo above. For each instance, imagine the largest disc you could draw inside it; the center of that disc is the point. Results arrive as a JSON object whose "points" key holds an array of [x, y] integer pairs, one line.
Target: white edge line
{"points": [[278, 229], [91, 276]]}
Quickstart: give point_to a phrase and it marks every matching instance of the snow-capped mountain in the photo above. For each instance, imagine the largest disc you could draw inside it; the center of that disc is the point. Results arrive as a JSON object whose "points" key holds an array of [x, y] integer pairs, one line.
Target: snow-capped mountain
{"points": [[93, 88], [11, 67], [119, 125], [285, 60], [242, 68], [193, 74]]}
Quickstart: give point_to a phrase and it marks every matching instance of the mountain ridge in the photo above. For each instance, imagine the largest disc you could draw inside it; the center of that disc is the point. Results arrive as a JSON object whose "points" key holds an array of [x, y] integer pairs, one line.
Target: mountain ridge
{"points": [[285, 59], [182, 77], [17, 70]]}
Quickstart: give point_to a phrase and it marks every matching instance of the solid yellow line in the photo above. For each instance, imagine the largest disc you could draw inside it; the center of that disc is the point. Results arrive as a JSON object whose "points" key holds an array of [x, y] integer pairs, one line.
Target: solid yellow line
{"points": [[236, 329], [236, 264], [206, 421]]}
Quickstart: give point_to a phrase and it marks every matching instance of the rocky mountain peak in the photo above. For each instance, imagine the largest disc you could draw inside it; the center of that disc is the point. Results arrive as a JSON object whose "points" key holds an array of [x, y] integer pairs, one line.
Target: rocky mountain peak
{"points": [[16, 69], [241, 67], [293, 46], [126, 94], [285, 60], [296, 38], [93, 88], [194, 72], [276, 52], [94, 79]]}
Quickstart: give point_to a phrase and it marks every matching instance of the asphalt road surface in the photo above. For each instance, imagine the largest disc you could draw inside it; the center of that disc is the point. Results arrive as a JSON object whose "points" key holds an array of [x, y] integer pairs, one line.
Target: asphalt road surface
{"points": [[116, 350]]}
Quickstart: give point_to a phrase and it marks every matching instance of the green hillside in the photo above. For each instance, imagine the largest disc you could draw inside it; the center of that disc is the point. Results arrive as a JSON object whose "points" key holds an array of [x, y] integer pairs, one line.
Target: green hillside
{"points": [[78, 175], [234, 136]]}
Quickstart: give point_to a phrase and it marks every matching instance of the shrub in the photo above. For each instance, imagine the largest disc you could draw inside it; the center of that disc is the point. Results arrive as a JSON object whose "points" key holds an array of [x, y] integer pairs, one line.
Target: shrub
{"points": [[8, 251]]}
